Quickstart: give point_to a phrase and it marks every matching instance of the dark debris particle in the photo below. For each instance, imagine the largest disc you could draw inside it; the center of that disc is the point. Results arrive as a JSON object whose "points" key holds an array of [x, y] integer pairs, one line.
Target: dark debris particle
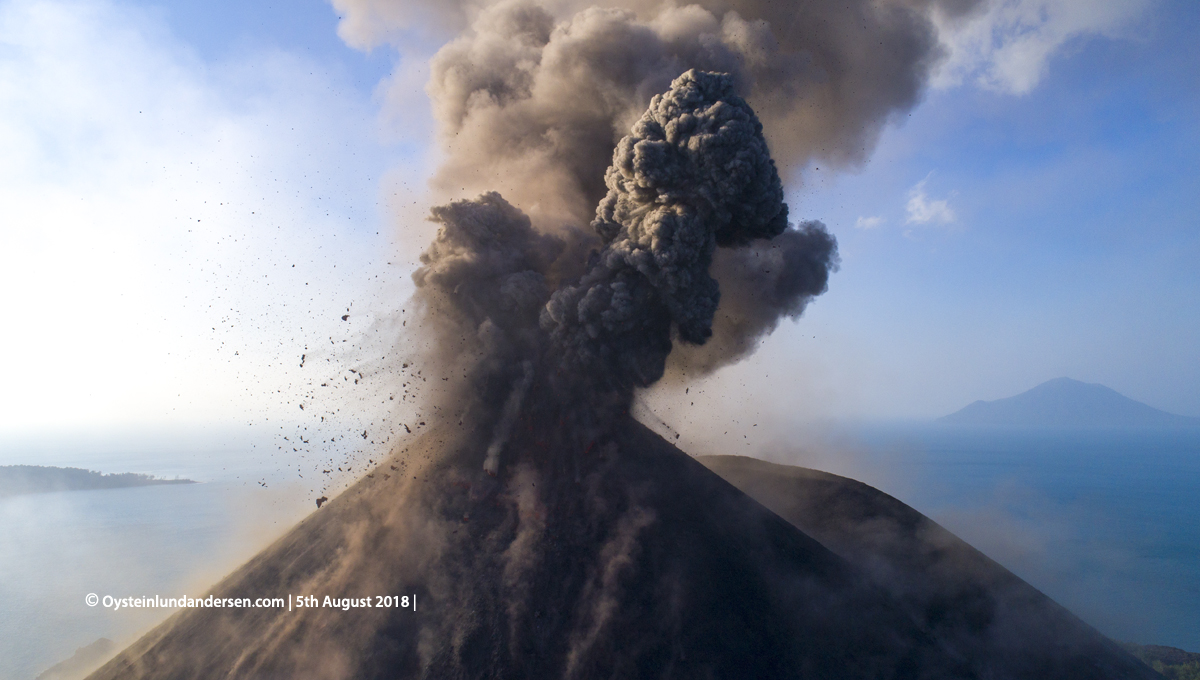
{"points": [[321, 501]]}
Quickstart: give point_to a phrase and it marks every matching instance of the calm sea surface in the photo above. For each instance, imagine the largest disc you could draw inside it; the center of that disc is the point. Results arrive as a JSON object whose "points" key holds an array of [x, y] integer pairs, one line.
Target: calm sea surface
{"points": [[1108, 524]]}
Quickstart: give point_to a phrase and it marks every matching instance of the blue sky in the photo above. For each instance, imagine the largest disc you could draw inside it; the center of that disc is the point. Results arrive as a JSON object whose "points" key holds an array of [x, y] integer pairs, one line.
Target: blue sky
{"points": [[1022, 223]]}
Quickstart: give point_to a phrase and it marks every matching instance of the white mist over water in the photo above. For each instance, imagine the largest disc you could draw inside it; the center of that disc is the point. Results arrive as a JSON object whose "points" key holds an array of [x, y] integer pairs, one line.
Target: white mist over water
{"points": [[155, 540]]}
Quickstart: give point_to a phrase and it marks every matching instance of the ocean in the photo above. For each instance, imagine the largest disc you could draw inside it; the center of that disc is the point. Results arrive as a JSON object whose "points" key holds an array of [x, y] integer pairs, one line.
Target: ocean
{"points": [[1107, 524]]}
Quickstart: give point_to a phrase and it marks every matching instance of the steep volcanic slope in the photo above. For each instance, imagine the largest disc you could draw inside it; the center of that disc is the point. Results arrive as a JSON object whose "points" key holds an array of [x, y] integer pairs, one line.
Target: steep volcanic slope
{"points": [[648, 566], [1004, 627]]}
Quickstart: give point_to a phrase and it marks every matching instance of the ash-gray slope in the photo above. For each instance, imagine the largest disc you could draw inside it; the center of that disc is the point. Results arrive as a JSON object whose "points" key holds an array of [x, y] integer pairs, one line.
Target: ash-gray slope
{"points": [[648, 566]]}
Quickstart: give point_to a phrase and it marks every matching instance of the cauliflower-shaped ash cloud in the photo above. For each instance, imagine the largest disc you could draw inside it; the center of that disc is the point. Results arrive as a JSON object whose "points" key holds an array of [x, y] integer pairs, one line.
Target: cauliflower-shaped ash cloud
{"points": [[694, 173]]}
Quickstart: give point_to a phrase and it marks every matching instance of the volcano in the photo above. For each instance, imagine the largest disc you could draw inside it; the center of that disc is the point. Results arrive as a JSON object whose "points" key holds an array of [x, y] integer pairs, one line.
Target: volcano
{"points": [[639, 562], [538, 531]]}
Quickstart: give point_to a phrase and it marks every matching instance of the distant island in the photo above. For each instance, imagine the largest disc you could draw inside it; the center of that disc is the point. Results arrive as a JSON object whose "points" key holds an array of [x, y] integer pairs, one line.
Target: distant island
{"points": [[1067, 403], [23, 479]]}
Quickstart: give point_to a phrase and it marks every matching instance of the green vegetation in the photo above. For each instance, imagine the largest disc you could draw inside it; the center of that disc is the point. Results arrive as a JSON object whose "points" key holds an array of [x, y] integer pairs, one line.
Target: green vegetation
{"points": [[23, 479], [1172, 662]]}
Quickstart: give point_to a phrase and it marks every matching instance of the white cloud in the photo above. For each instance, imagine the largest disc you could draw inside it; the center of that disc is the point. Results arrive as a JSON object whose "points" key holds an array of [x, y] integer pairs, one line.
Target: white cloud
{"points": [[922, 210], [868, 222], [172, 231], [1008, 44]]}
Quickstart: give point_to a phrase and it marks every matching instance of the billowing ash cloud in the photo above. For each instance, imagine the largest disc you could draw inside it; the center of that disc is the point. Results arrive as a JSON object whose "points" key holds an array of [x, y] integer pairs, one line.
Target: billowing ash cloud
{"points": [[559, 107], [519, 311], [532, 96], [488, 265], [694, 173]]}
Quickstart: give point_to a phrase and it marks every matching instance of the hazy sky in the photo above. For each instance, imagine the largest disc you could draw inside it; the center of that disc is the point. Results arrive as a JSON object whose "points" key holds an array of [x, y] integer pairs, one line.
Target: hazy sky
{"points": [[193, 193]]}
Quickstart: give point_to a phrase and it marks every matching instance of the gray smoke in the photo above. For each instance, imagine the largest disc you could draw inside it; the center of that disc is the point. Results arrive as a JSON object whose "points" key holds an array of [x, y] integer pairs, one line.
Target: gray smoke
{"points": [[532, 96], [761, 284], [508, 418]]}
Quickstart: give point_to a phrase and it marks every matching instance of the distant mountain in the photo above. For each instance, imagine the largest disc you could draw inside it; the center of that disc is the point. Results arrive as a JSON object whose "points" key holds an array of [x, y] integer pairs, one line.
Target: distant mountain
{"points": [[22, 479], [1064, 402]]}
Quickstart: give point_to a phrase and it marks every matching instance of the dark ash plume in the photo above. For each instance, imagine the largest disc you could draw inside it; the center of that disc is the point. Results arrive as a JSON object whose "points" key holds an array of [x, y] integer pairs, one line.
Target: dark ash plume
{"points": [[521, 318], [694, 173], [482, 285]]}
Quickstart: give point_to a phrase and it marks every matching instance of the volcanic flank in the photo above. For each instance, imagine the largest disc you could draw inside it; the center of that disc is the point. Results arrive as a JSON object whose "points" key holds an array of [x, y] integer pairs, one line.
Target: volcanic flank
{"points": [[652, 566]]}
